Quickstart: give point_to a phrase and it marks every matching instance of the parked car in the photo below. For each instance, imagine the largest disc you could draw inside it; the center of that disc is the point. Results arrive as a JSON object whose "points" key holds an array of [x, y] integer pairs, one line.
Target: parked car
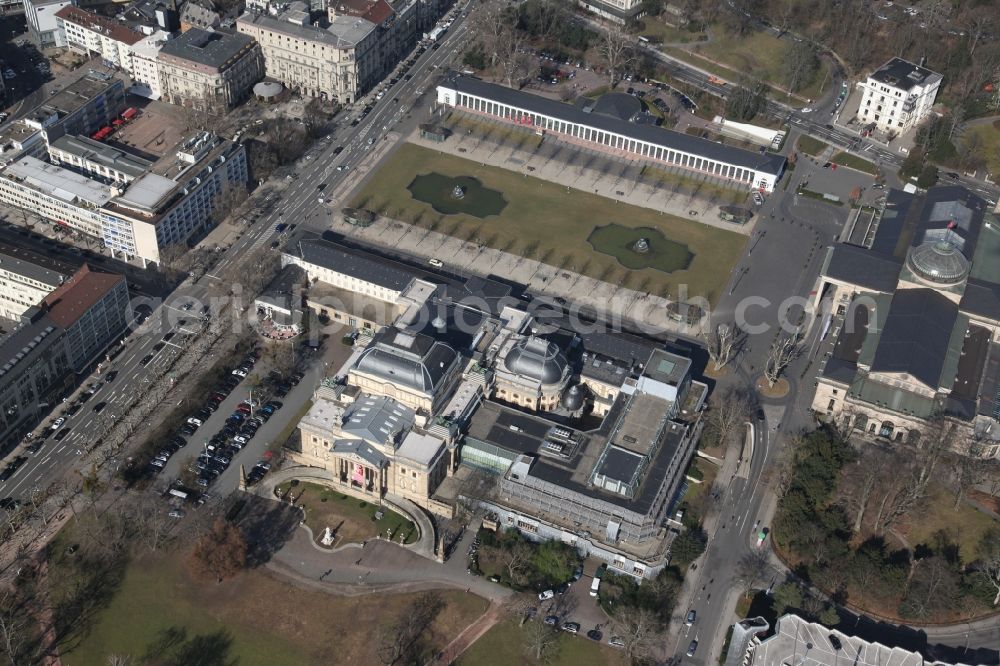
{"points": [[546, 595], [595, 635], [691, 617], [552, 620], [571, 627], [58, 422], [692, 646], [176, 513]]}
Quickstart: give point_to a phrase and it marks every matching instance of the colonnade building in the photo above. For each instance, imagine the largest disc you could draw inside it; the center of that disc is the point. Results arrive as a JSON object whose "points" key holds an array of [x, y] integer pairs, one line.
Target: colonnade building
{"points": [[744, 168]]}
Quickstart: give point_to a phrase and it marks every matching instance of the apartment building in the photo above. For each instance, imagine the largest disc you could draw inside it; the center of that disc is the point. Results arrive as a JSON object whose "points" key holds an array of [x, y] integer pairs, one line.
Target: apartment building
{"points": [[61, 336], [194, 15], [82, 107], [43, 26], [337, 62], [91, 35], [209, 71], [897, 96], [93, 309], [395, 25], [144, 65], [136, 208]]}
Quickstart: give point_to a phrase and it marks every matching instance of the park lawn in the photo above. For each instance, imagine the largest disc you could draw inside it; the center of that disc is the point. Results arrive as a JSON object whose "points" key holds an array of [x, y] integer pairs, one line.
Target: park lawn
{"points": [[989, 139], [854, 162], [504, 645], [268, 621], [351, 519], [759, 54], [657, 30], [964, 525], [810, 146], [551, 223]]}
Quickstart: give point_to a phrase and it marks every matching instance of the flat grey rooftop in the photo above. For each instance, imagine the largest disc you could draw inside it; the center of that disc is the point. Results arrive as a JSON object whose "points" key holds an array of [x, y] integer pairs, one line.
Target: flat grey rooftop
{"points": [[213, 49]]}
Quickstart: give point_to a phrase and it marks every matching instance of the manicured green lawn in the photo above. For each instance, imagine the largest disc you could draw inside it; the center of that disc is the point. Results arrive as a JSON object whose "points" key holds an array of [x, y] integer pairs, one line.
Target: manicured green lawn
{"points": [[854, 162], [504, 645], [551, 223], [810, 146], [989, 141], [759, 54], [965, 525]]}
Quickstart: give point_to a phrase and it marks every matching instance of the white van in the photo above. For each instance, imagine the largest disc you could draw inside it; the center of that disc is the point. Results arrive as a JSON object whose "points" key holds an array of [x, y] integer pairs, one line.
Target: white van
{"points": [[436, 263], [594, 586]]}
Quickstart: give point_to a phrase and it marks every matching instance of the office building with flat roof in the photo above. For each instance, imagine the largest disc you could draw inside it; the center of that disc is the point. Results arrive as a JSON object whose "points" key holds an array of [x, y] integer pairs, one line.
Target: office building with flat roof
{"points": [[82, 107], [207, 70], [134, 206], [338, 61], [26, 278], [43, 25]]}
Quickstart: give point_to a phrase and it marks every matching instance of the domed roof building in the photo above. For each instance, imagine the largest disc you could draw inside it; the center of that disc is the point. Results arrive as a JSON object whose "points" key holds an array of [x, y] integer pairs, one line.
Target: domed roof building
{"points": [[533, 373], [413, 368], [536, 358], [939, 263]]}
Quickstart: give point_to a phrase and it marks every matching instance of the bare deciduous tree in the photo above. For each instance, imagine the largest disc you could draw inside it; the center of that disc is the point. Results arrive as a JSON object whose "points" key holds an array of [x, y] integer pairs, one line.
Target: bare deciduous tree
{"points": [[989, 560], [638, 629], [541, 642], [783, 351], [615, 48], [722, 341], [751, 569], [729, 411], [516, 558]]}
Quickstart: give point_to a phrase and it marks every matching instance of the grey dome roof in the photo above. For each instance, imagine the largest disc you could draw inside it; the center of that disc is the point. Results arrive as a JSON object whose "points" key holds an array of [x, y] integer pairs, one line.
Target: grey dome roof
{"points": [[536, 358], [418, 362], [940, 262], [573, 397]]}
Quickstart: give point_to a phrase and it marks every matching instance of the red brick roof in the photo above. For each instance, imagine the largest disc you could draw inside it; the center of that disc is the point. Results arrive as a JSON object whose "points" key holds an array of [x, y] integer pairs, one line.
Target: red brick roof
{"points": [[99, 24], [376, 11], [73, 298]]}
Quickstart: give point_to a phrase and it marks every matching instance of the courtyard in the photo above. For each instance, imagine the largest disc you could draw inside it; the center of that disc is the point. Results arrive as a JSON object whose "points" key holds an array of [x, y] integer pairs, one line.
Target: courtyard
{"points": [[351, 520], [552, 224]]}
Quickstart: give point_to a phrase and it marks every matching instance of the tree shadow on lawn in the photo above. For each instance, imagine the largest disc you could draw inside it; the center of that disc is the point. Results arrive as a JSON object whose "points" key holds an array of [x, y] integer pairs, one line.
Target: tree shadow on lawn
{"points": [[173, 647], [81, 591], [267, 525]]}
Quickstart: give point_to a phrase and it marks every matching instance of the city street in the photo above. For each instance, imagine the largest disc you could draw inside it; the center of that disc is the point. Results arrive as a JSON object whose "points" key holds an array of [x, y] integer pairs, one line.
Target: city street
{"points": [[299, 204]]}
